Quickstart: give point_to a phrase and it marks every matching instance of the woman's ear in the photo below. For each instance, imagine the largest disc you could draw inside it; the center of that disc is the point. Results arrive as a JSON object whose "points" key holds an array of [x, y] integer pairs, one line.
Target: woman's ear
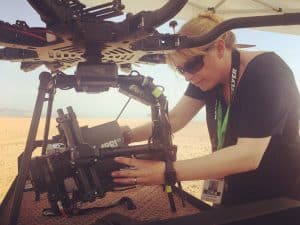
{"points": [[220, 46]]}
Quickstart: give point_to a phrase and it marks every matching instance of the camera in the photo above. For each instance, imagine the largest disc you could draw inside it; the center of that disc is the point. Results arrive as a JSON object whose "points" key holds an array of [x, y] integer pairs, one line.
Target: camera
{"points": [[78, 163]]}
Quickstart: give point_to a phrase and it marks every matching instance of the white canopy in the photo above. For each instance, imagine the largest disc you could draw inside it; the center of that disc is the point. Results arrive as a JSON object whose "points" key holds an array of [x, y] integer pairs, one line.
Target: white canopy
{"points": [[226, 8]]}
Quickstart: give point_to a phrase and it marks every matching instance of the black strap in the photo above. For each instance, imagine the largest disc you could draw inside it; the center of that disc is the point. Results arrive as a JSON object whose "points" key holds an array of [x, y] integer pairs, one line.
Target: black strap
{"points": [[235, 70], [170, 173], [219, 116], [124, 200], [77, 212], [170, 181]]}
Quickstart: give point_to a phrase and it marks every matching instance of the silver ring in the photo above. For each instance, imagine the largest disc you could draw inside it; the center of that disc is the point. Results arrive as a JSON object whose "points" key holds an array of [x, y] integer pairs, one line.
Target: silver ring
{"points": [[135, 180]]}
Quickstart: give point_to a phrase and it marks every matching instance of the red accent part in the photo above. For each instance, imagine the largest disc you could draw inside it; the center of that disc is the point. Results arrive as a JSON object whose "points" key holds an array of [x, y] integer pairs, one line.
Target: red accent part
{"points": [[11, 28]]}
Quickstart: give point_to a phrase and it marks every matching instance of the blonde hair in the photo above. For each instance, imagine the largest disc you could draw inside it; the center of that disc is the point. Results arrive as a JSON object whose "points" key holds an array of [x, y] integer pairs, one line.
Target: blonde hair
{"points": [[198, 26]]}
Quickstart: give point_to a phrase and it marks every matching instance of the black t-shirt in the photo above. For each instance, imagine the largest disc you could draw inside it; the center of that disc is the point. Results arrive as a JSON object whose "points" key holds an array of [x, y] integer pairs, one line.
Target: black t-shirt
{"points": [[266, 103]]}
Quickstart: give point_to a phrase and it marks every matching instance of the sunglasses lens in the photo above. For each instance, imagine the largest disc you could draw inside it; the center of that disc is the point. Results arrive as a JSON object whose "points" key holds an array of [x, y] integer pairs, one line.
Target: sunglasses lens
{"points": [[192, 66]]}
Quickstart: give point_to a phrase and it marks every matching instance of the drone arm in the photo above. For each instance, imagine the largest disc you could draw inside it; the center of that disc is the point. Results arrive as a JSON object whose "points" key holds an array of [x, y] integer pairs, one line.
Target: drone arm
{"points": [[165, 13], [20, 34], [258, 21], [17, 54], [14, 35], [56, 12], [143, 22], [160, 42]]}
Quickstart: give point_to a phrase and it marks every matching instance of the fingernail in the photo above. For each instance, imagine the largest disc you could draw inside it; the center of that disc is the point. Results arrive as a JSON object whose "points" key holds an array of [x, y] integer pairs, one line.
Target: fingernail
{"points": [[117, 159]]}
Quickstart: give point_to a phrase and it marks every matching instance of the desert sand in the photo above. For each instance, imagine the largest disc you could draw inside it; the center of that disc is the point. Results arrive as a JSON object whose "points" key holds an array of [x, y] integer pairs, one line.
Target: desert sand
{"points": [[192, 141]]}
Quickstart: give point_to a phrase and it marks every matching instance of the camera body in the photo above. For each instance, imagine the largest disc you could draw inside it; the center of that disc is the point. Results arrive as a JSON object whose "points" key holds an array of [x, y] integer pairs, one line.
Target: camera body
{"points": [[69, 179]]}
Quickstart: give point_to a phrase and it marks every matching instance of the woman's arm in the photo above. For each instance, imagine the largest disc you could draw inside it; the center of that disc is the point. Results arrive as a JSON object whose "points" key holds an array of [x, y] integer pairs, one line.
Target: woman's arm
{"points": [[179, 116], [245, 156]]}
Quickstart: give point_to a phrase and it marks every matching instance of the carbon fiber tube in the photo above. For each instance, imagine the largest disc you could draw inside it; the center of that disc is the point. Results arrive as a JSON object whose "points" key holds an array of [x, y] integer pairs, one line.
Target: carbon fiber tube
{"points": [[169, 42], [244, 22], [165, 13]]}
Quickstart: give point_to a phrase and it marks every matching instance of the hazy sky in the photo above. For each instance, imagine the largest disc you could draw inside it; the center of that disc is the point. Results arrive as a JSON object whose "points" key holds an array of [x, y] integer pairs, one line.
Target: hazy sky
{"points": [[19, 89]]}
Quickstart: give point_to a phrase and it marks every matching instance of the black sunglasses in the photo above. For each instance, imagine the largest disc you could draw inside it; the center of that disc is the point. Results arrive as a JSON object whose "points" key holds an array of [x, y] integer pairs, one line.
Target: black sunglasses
{"points": [[192, 66]]}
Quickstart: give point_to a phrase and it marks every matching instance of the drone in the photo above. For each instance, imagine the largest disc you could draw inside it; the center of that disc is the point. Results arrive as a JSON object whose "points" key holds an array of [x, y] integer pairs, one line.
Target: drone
{"points": [[69, 39]]}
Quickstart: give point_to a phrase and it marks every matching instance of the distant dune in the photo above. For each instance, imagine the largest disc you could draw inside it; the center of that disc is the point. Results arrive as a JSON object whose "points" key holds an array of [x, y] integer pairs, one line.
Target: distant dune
{"points": [[192, 141], [4, 112]]}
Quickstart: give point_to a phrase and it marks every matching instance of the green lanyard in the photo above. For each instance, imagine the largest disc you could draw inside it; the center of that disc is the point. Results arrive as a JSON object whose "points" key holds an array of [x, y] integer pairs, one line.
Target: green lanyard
{"points": [[222, 123]]}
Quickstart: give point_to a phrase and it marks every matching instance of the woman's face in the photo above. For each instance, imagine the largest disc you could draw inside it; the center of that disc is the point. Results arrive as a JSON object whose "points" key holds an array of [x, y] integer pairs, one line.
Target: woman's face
{"points": [[204, 71]]}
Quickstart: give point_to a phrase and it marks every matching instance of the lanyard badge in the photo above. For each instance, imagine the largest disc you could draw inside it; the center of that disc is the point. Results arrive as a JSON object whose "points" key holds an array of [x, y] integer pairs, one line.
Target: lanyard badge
{"points": [[213, 189]]}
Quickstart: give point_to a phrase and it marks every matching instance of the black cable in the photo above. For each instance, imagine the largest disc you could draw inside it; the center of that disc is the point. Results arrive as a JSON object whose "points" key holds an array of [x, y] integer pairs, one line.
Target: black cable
{"points": [[122, 110]]}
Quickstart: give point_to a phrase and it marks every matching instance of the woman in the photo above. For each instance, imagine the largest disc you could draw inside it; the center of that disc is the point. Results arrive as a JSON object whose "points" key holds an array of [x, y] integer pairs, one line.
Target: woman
{"points": [[251, 104]]}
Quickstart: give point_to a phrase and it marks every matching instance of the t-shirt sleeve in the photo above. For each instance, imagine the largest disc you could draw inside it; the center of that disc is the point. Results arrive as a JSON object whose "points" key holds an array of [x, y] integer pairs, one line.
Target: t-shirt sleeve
{"points": [[194, 92], [265, 99]]}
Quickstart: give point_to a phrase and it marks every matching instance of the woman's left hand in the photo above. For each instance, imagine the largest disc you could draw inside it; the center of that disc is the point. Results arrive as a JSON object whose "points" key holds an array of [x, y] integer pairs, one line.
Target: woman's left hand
{"points": [[145, 172]]}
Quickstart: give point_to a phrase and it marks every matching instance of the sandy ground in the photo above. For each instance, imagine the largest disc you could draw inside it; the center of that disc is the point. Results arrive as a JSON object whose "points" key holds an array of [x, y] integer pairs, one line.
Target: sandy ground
{"points": [[192, 141]]}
